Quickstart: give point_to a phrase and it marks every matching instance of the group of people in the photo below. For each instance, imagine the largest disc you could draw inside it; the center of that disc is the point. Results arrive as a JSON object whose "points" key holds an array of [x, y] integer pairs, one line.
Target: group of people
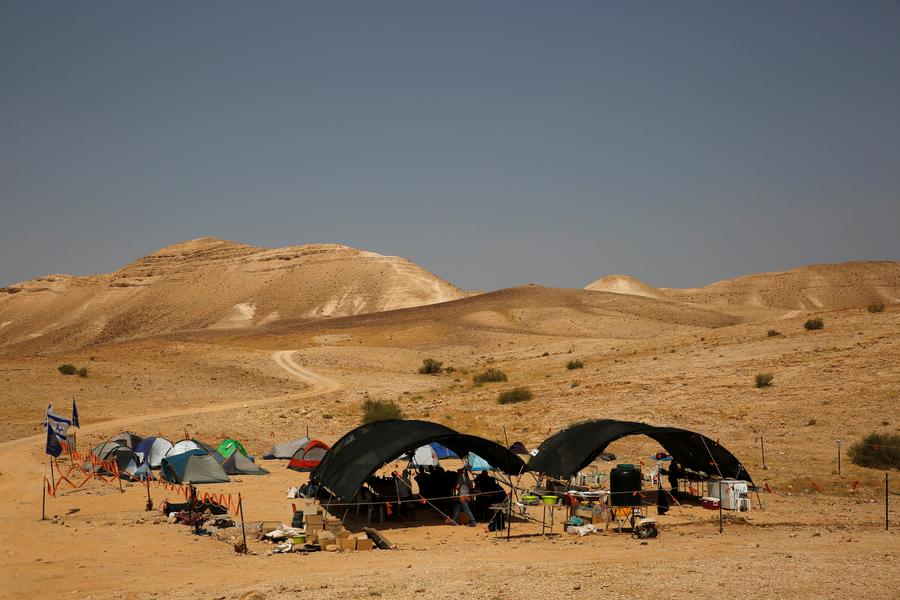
{"points": [[450, 491]]}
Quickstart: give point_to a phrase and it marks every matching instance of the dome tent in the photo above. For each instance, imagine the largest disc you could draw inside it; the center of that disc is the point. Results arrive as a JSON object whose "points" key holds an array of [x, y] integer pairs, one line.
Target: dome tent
{"points": [[128, 439], [151, 450], [193, 466], [238, 464], [309, 457], [287, 450], [229, 447]]}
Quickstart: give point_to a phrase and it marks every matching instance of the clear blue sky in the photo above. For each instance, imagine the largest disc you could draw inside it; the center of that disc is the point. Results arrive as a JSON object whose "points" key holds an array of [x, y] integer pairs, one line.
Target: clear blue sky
{"points": [[494, 143]]}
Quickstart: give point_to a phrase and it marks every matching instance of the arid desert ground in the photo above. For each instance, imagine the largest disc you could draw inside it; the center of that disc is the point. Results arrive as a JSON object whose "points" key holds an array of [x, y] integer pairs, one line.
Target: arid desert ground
{"points": [[216, 340]]}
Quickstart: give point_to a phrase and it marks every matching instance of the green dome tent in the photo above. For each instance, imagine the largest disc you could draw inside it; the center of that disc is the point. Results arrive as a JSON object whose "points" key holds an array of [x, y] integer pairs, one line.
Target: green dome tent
{"points": [[229, 446]]}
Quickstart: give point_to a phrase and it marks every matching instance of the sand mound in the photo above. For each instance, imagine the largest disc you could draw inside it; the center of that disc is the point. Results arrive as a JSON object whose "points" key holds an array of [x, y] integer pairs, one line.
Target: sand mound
{"points": [[624, 284], [211, 283]]}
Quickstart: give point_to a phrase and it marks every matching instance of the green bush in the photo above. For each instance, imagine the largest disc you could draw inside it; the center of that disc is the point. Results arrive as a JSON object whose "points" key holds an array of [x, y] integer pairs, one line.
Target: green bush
{"points": [[764, 380], [813, 324], [877, 451], [773, 333], [83, 372], [490, 375], [576, 364], [67, 369], [430, 367], [380, 410], [875, 308], [518, 394]]}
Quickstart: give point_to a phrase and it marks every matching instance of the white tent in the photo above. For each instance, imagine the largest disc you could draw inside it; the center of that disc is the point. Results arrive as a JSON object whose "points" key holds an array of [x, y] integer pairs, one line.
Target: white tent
{"points": [[184, 446], [424, 456], [287, 450], [151, 450]]}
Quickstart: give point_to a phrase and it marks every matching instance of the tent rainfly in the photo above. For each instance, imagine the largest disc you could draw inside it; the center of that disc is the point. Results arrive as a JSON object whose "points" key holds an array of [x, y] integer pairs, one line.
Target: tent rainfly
{"points": [[424, 456], [476, 463], [238, 464], [309, 457], [151, 450], [287, 450], [193, 466], [442, 451], [229, 447], [575, 447], [128, 439]]}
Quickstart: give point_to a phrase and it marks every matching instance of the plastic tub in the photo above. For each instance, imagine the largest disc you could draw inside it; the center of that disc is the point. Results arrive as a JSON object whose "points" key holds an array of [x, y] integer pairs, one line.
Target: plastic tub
{"points": [[550, 499], [298, 540], [530, 499]]}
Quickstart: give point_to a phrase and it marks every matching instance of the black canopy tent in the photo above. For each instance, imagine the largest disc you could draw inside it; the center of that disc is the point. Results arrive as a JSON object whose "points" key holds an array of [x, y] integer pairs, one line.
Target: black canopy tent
{"points": [[573, 448], [362, 451]]}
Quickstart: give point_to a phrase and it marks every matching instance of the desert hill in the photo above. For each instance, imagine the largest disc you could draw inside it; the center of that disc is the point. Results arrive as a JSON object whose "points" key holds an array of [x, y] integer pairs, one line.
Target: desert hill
{"points": [[813, 287], [211, 283]]}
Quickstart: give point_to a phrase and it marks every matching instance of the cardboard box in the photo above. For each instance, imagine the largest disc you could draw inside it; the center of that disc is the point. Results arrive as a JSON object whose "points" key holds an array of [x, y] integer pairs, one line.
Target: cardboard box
{"points": [[365, 544], [348, 543], [325, 537], [334, 527], [342, 534], [315, 521]]}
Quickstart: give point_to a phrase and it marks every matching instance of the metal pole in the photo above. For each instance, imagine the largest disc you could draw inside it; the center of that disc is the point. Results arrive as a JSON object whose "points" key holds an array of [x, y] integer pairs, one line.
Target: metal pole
{"points": [[720, 507], [243, 531], [762, 449], [510, 498], [43, 499], [149, 500], [52, 475], [885, 501], [838, 442]]}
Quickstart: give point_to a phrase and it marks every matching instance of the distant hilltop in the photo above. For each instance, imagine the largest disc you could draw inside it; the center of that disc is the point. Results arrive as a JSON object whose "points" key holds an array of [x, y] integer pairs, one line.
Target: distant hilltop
{"points": [[813, 287], [212, 283]]}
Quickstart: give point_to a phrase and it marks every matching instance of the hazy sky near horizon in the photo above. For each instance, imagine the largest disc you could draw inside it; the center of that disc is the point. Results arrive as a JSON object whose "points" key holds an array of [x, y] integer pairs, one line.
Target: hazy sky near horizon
{"points": [[493, 143]]}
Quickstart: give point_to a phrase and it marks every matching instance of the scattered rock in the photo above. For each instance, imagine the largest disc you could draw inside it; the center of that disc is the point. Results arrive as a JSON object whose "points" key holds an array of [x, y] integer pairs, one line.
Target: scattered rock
{"points": [[331, 548]]}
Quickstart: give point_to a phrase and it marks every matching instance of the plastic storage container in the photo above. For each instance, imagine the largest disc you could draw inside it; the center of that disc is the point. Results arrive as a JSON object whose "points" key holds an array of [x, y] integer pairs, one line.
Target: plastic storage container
{"points": [[625, 485]]}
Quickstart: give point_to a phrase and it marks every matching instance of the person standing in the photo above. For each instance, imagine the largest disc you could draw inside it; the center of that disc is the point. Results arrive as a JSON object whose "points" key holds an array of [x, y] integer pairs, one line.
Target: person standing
{"points": [[462, 489]]}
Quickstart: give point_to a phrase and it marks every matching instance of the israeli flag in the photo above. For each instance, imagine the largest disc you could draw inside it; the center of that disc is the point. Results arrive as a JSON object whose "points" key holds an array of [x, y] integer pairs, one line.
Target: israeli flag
{"points": [[58, 424]]}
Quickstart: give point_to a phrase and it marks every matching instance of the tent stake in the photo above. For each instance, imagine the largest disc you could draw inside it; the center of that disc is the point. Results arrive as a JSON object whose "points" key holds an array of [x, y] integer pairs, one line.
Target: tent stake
{"points": [[243, 531]]}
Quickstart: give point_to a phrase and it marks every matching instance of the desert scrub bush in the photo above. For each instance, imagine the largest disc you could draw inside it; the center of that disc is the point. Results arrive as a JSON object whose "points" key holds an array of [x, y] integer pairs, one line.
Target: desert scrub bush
{"points": [[430, 367], [764, 380], [67, 369], [875, 308], [490, 375], [813, 324], [517, 394], [380, 410], [877, 451], [83, 372], [773, 333], [574, 364]]}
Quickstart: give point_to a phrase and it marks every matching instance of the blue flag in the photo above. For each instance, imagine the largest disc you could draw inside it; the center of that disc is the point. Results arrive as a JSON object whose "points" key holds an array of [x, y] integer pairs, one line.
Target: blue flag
{"points": [[75, 415], [54, 448]]}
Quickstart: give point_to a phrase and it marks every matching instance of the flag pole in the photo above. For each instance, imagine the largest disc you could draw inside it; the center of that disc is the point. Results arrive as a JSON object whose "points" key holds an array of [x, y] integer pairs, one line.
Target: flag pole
{"points": [[44, 496], [243, 531], [52, 476]]}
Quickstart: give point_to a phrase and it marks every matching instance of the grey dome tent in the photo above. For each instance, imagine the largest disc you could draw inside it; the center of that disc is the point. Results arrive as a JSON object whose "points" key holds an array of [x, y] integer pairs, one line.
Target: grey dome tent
{"points": [[127, 438], [287, 450], [238, 464], [575, 447], [193, 466]]}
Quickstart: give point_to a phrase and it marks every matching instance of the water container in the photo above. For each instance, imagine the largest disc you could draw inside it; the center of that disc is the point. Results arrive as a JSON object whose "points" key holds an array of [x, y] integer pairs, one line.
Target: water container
{"points": [[624, 481]]}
